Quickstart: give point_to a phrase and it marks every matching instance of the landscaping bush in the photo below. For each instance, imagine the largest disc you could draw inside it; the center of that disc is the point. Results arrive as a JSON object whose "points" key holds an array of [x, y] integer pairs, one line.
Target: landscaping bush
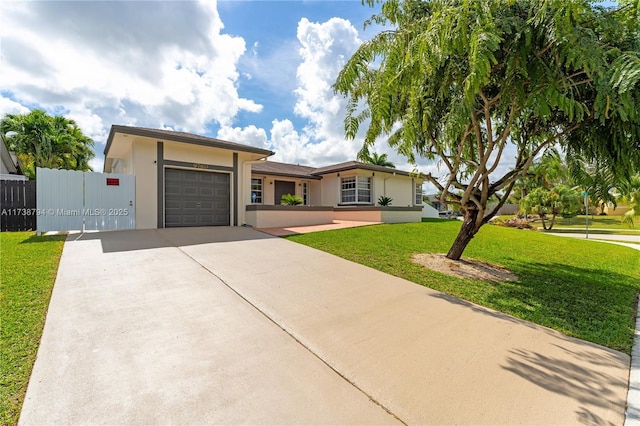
{"points": [[515, 222], [290, 200], [384, 201]]}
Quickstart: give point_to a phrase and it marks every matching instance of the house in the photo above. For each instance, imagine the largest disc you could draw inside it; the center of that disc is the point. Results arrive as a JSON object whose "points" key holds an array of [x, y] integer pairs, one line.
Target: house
{"points": [[9, 165], [184, 179], [619, 210], [344, 191]]}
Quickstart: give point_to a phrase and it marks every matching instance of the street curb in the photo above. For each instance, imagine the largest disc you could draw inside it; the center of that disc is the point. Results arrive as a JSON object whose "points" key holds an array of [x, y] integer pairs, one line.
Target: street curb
{"points": [[632, 416]]}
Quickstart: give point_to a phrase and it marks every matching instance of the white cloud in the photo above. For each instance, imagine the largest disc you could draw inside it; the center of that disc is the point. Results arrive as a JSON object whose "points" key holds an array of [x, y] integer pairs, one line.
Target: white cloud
{"points": [[7, 106], [146, 63], [97, 164], [324, 49], [250, 135]]}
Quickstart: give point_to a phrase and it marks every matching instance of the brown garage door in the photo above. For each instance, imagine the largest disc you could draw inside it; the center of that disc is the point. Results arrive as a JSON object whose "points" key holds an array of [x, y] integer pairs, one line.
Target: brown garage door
{"points": [[195, 198]]}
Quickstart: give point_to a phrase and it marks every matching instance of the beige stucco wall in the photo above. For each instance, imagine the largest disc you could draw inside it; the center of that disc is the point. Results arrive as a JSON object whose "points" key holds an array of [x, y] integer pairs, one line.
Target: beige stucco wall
{"points": [[618, 211], [145, 169], [124, 164], [196, 154], [401, 216], [282, 218], [399, 187], [358, 216], [330, 190]]}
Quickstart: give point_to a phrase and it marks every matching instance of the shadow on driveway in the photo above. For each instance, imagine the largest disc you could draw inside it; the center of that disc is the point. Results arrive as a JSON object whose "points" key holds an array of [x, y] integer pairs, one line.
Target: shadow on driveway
{"points": [[146, 239]]}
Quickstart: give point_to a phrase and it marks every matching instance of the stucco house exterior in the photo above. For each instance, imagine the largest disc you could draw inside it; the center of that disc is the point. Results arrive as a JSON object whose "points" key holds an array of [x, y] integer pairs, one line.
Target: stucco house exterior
{"points": [[184, 179], [344, 191]]}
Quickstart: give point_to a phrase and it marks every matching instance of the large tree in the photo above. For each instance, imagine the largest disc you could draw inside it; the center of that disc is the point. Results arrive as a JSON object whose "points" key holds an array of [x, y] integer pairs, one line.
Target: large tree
{"points": [[41, 140], [480, 83]]}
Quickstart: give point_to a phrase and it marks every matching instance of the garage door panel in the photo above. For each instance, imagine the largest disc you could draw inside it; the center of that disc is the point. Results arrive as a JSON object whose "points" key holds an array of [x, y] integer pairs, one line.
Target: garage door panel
{"points": [[206, 177], [206, 192], [194, 198]]}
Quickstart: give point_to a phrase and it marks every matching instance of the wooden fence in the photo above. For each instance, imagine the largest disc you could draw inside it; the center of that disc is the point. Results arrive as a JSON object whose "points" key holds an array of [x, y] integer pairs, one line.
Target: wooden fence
{"points": [[17, 205]]}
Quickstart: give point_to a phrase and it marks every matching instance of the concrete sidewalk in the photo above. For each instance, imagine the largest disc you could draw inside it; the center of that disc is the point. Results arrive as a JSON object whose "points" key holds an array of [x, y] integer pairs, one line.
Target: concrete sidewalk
{"points": [[228, 325], [631, 241]]}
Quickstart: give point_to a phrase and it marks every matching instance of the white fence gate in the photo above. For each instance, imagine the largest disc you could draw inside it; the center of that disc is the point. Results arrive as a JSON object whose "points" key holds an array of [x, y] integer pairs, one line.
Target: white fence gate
{"points": [[69, 200]]}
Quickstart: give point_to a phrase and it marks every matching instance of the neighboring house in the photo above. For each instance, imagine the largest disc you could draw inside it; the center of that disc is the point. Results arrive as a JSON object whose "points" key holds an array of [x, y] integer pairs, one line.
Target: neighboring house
{"points": [[184, 179], [618, 210], [9, 165], [435, 202]]}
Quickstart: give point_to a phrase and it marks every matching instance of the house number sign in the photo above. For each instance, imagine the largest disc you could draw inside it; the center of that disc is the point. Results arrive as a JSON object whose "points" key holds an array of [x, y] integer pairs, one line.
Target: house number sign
{"points": [[200, 166]]}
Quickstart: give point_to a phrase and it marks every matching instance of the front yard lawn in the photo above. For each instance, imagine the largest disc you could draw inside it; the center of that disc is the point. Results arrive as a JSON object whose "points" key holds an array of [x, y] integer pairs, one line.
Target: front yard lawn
{"points": [[597, 224], [28, 266], [585, 289]]}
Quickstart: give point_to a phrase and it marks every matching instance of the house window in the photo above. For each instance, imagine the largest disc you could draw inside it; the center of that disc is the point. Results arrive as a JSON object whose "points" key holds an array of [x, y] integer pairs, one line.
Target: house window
{"points": [[355, 190], [256, 190], [418, 193], [305, 193]]}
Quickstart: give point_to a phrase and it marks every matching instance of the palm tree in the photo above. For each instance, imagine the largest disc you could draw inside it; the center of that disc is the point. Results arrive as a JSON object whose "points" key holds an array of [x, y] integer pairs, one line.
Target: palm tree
{"points": [[41, 140], [375, 158], [595, 178], [545, 172], [630, 191]]}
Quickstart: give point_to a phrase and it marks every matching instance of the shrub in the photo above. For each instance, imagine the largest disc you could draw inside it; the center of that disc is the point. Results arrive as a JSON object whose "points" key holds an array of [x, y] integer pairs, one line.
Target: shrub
{"points": [[514, 223], [290, 200], [384, 201]]}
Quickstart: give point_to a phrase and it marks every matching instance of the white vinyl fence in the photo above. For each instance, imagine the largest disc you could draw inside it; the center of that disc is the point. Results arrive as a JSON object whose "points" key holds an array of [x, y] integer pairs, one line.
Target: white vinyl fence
{"points": [[69, 200]]}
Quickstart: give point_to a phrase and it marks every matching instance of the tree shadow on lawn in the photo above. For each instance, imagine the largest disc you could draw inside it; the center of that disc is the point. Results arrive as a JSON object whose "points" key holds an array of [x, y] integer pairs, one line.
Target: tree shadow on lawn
{"points": [[575, 300], [589, 303]]}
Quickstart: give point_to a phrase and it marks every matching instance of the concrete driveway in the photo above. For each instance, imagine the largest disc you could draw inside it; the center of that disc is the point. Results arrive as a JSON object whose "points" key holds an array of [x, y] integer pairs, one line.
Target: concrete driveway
{"points": [[231, 326]]}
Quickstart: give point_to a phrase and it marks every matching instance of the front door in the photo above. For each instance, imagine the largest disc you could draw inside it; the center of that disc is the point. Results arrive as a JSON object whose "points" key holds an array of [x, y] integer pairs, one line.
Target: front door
{"points": [[281, 188]]}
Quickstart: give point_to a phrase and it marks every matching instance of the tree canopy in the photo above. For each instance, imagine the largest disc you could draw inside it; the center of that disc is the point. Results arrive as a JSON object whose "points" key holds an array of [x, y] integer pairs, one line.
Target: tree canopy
{"points": [[41, 140], [470, 82], [375, 158]]}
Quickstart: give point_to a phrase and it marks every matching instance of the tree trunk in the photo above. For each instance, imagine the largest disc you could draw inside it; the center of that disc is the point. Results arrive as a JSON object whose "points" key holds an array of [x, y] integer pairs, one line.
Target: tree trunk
{"points": [[544, 224], [467, 231]]}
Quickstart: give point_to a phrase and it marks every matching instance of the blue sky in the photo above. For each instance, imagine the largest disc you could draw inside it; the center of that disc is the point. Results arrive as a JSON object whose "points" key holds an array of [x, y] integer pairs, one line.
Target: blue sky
{"points": [[256, 72]]}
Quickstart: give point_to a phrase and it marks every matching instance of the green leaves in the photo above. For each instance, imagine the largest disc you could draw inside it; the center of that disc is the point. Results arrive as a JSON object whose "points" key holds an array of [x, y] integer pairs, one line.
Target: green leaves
{"points": [[461, 80], [41, 140]]}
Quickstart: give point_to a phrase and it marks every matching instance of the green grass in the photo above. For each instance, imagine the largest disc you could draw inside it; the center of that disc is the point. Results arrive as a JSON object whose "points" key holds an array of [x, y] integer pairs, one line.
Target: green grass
{"points": [[28, 266], [597, 224], [584, 289]]}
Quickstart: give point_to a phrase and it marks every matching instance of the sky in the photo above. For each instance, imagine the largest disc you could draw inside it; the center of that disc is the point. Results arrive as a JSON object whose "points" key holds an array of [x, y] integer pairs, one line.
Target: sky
{"points": [[255, 72]]}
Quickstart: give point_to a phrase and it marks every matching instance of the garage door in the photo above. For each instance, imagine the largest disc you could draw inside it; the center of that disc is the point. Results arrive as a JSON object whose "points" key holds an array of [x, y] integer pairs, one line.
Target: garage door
{"points": [[196, 198]]}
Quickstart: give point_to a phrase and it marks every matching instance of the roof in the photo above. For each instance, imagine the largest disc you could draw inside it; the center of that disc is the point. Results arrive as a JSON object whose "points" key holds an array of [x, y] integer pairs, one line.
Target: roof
{"points": [[284, 169], [298, 171], [182, 137], [351, 165]]}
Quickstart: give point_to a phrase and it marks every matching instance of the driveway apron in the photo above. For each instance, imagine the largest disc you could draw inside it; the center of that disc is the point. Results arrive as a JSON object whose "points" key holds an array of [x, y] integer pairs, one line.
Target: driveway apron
{"points": [[228, 325]]}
